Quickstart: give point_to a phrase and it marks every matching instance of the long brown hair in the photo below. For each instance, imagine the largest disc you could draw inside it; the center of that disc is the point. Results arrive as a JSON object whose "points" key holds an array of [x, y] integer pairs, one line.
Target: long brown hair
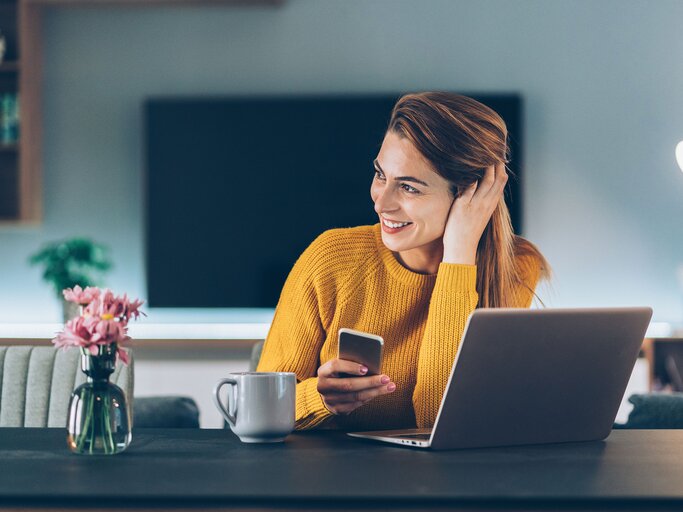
{"points": [[461, 137]]}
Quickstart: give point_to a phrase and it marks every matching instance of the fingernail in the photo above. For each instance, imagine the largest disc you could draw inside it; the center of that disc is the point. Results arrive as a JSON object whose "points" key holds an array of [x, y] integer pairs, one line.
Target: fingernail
{"points": [[391, 386], [363, 369], [385, 379]]}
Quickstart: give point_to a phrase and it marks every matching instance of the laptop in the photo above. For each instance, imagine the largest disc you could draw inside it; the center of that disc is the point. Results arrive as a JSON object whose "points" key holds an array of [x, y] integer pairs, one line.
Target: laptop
{"points": [[532, 376]]}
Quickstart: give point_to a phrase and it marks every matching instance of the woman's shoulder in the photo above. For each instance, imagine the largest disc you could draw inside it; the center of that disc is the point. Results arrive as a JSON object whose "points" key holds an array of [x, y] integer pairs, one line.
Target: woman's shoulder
{"points": [[341, 248], [357, 240], [337, 258]]}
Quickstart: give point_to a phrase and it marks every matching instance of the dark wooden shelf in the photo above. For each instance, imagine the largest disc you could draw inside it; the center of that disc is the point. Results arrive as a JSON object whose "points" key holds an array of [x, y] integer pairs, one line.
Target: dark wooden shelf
{"points": [[21, 200]]}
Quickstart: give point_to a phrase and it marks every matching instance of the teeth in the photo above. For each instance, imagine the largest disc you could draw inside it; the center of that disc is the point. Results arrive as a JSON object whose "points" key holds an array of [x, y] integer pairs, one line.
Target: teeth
{"points": [[395, 224]]}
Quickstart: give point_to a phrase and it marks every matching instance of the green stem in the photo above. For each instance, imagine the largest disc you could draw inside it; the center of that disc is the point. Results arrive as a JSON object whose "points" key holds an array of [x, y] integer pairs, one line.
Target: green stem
{"points": [[86, 409], [92, 425], [106, 430]]}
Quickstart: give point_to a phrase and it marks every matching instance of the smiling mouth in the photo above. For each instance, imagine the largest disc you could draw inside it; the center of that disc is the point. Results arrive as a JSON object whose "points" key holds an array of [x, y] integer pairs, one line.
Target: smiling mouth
{"points": [[395, 225]]}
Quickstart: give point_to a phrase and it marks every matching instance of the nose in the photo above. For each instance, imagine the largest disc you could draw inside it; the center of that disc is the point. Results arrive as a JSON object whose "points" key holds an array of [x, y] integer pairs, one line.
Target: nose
{"points": [[385, 200]]}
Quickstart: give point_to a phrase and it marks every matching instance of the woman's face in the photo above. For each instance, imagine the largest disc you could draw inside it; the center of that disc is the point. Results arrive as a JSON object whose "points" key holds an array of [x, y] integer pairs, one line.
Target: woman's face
{"points": [[412, 200]]}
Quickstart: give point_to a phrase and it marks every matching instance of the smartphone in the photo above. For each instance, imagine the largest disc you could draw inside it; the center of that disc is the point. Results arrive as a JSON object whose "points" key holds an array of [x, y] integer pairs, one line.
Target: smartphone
{"points": [[362, 348]]}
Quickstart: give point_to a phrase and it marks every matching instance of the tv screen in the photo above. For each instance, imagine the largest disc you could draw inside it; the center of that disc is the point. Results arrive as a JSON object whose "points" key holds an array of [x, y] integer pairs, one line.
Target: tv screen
{"points": [[238, 187]]}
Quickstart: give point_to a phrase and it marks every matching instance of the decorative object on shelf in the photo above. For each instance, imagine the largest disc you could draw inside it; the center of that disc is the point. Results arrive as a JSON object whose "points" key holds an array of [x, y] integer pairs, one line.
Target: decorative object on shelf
{"points": [[71, 262], [99, 419]]}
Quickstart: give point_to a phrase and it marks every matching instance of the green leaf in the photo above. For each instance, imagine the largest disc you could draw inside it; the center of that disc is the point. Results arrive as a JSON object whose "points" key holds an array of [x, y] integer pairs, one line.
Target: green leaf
{"points": [[72, 261]]}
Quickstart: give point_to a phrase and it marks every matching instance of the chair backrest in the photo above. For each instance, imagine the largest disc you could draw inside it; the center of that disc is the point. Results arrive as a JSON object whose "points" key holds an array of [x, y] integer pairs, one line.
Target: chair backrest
{"points": [[255, 355], [36, 384]]}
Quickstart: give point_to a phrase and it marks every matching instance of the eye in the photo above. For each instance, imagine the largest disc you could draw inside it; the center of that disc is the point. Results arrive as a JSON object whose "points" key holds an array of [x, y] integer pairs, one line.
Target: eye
{"points": [[379, 175], [409, 189]]}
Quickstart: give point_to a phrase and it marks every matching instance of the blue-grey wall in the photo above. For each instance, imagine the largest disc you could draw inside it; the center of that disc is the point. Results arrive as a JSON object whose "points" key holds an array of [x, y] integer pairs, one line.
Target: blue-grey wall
{"points": [[602, 82]]}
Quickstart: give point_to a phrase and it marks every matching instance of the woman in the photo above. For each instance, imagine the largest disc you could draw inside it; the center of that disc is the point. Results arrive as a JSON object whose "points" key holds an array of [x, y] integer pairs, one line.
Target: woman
{"points": [[443, 246]]}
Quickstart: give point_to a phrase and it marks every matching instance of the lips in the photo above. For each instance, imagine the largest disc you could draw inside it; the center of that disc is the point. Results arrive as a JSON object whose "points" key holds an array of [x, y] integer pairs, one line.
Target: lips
{"points": [[393, 227], [395, 224]]}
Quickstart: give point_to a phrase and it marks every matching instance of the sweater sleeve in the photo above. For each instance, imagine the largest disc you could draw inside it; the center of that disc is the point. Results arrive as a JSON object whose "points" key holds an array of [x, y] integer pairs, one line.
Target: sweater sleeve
{"points": [[453, 299], [296, 336]]}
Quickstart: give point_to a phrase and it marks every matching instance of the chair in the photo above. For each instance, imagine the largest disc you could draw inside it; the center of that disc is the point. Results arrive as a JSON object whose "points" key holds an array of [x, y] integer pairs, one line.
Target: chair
{"points": [[655, 411], [36, 384], [165, 412], [255, 355]]}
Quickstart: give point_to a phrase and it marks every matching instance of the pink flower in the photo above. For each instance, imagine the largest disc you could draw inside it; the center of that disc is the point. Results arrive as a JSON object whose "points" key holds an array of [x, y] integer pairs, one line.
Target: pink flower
{"points": [[80, 296], [122, 354], [104, 320], [75, 334], [107, 304], [132, 309], [107, 331], [111, 305]]}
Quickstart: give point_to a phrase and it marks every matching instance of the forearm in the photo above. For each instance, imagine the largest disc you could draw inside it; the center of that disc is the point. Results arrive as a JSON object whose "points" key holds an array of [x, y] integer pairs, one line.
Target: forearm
{"points": [[453, 299], [310, 408]]}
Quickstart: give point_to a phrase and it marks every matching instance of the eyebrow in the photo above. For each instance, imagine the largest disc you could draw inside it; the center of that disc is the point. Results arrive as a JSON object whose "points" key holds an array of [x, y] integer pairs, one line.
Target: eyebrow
{"points": [[400, 178]]}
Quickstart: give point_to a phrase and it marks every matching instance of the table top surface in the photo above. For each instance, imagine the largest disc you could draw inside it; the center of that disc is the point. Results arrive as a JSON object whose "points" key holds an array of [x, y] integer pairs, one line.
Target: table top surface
{"points": [[196, 467]]}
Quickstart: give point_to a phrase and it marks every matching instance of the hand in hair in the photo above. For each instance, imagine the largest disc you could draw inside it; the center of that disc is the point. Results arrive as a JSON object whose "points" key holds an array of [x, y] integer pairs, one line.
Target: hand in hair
{"points": [[343, 393], [469, 215]]}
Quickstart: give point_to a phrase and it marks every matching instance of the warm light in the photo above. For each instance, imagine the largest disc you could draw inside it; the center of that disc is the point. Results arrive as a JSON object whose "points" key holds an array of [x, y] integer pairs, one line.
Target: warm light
{"points": [[679, 155]]}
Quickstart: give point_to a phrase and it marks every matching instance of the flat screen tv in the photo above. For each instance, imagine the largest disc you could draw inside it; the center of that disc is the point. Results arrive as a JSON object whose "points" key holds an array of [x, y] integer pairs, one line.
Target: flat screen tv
{"points": [[238, 187]]}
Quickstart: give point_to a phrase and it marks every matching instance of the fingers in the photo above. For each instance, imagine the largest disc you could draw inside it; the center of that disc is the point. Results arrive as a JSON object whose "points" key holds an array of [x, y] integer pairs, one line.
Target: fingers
{"points": [[343, 395], [469, 192], [501, 179], [352, 385], [494, 181], [336, 367], [347, 402], [362, 396], [489, 178]]}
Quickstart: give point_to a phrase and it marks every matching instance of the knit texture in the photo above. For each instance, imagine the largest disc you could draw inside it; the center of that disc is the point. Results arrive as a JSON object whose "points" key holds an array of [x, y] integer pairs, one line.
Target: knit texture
{"points": [[349, 278]]}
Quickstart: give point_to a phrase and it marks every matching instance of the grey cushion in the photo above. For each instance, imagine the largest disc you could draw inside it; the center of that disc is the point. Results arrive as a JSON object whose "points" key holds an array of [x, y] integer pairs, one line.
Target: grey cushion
{"points": [[255, 355], [655, 410], [166, 412], [36, 384]]}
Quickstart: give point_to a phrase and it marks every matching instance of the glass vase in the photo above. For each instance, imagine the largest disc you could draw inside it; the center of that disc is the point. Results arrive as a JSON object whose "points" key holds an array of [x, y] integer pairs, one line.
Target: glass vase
{"points": [[99, 418]]}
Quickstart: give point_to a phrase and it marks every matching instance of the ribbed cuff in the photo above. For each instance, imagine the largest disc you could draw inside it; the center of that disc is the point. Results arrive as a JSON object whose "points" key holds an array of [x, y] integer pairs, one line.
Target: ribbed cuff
{"points": [[456, 276], [310, 408]]}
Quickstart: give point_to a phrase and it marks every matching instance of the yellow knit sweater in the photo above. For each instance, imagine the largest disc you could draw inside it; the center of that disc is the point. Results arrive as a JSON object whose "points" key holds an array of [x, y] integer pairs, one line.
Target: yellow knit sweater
{"points": [[349, 278]]}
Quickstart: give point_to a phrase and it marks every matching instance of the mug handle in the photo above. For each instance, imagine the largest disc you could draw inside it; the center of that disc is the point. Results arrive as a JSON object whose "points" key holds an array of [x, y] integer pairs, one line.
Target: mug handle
{"points": [[230, 418]]}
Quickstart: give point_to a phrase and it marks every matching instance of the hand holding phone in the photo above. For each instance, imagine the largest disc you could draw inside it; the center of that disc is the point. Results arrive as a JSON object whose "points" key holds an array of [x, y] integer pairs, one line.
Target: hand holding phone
{"points": [[354, 378]]}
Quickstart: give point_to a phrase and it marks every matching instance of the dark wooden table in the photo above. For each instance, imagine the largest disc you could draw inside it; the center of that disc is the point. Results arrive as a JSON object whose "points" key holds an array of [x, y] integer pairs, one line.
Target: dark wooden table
{"points": [[211, 469]]}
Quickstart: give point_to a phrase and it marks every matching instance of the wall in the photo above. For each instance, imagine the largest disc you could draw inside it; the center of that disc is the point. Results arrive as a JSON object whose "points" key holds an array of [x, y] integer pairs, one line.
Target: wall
{"points": [[189, 371], [602, 83]]}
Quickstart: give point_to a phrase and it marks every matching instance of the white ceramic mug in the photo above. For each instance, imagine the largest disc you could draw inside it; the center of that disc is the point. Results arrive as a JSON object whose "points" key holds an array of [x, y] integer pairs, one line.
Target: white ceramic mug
{"points": [[260, 405]]}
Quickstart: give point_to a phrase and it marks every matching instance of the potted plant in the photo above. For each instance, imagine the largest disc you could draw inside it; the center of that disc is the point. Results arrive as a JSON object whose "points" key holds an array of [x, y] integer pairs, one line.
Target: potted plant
{"points": [[70, 263]]}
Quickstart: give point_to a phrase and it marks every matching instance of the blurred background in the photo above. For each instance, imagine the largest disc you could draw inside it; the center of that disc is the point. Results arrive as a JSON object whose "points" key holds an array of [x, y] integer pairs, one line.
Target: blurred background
{"points": [[601, 88], [600, 81]]}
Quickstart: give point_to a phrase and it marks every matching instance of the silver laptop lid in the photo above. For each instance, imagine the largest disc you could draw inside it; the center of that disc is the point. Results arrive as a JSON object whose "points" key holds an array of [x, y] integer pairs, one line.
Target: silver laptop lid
{"points": [[525, 376]]}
